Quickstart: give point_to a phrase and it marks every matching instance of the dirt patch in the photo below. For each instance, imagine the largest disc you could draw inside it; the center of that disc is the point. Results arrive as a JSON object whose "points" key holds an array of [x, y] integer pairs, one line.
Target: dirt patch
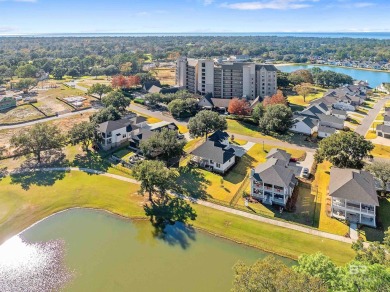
{"points": [[20, 113], [165, 75]]}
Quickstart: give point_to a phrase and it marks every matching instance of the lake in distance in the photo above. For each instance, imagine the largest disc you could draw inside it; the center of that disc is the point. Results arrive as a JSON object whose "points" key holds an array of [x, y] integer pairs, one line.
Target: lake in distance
{"points": [[87, 250], [374, 78]]}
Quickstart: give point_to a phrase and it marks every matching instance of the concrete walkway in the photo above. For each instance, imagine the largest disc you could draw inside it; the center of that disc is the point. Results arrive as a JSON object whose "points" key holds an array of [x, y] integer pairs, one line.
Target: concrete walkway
{"points": [[353, 232], [371, 116], [258, 218]]}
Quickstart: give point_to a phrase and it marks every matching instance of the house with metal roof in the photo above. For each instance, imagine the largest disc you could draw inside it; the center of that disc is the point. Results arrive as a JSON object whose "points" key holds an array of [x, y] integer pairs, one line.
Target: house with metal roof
{"points": [[273, 182], [353, 196]]}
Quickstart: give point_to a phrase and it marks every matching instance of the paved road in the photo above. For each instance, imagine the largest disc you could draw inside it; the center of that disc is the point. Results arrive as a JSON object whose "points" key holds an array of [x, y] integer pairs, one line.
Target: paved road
{"points": [[363, 128], [278, 143], [216, 206], [47, 119]]}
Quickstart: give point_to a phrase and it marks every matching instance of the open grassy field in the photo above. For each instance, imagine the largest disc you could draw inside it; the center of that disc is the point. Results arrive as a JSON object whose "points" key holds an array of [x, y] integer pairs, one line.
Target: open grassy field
{"points": [[246, 129], [25, 199], [298, 99], [22, 113], [165, 75], [371, 135]]}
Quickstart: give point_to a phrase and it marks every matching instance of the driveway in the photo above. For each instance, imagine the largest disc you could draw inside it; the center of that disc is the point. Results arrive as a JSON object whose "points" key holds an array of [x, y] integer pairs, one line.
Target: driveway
{"points": [[371, 116], [299, 165], [242, 149]]}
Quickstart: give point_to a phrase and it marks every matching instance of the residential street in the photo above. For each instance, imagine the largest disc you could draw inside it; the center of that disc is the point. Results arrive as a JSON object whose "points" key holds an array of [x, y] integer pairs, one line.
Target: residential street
{"points": [[371, 116]]}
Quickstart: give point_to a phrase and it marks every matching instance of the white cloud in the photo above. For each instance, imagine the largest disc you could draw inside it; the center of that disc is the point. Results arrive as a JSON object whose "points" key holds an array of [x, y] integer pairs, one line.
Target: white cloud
{"points": [[208, 2], [350, 4], [270, 4]]}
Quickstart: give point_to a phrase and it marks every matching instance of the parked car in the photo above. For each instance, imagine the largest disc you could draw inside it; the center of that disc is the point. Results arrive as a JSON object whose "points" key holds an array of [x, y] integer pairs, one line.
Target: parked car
{"points": [[292, 159], [305, 172], [180, 136]]}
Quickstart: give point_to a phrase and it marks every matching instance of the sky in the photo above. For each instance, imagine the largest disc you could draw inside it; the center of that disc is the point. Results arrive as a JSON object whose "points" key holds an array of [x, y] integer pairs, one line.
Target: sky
{"points": [[192, 16]]}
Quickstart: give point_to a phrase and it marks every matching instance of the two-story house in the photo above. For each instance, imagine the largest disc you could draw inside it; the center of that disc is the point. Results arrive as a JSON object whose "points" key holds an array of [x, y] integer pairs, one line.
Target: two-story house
{"points": [[215, 153], [353, 195], [383, 130], [273, 182], [114, 133]]}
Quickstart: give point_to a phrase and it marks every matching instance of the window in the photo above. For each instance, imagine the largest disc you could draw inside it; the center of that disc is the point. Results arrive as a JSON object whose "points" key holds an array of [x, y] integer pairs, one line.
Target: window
{"points": [[203, 64], [124, 136], [218, 165]]}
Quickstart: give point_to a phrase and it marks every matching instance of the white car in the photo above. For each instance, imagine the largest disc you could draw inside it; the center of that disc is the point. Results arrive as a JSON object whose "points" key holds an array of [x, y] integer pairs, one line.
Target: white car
{"points": [[305, 172]]}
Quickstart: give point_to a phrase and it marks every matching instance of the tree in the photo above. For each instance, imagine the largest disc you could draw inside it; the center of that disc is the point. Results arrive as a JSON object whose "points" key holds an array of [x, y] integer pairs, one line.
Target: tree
{"points": [[99, 89], [73, 72], [146, 77], [183, 107], [117, 100], [26, 71], [277, 98], [239, 107], [380, 170], [276, 118], [109, 113], [258, 112], [206, 122], [133, 81], [155, 178], [37, 139], [319, 266], [111, 70], [344, 150], [25, 84], [303, 89], [302, 74], [164, 144], [96, 71], [282, 79], [153, 98], [271, 274], [83, 133], [59, 72], [126, 68]]}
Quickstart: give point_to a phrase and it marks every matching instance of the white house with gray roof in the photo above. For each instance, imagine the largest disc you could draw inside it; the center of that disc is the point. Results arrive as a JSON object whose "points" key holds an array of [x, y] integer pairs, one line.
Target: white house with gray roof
{"points": [[353, 196], [273, 182], [215, 153]]}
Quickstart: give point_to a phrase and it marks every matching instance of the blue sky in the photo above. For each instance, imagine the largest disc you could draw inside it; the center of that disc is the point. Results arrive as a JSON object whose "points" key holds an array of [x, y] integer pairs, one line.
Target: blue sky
{"points": [[132, 16]]}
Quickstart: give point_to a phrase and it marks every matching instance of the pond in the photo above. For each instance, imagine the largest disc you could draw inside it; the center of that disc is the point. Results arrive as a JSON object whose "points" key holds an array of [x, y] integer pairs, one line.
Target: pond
{"points": [[374, 78], [87, 250]]}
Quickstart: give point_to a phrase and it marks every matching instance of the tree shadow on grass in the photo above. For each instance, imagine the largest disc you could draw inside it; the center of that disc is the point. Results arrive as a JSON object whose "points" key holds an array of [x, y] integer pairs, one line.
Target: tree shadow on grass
{"points": [[36, 177], [240, 170], [3, 172], [91, 160], [192, 182], [168, 220]]}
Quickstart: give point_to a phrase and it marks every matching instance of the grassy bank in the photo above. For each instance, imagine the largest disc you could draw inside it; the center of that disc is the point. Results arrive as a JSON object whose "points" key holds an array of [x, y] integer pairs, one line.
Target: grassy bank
{"points": [[25, 199]]}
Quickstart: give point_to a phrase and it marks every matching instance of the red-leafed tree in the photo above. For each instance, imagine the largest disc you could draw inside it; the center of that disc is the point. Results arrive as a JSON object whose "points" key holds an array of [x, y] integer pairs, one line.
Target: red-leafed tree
{"points": [[120, 81], [239, 107], [134, 80], [124, 82], [277, 98]]}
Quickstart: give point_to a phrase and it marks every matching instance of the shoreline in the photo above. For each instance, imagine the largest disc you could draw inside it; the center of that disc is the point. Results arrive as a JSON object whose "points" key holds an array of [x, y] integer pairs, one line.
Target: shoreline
{"points": [[119, 216], [335, 66]]}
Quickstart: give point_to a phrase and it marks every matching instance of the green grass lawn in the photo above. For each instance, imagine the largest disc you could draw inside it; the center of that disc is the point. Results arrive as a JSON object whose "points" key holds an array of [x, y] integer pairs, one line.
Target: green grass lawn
{"points": [[320, 192], [298, 99], [381, 151], [371, 135], [383, 223], [124, 154], [246, 129], [55, 191]]}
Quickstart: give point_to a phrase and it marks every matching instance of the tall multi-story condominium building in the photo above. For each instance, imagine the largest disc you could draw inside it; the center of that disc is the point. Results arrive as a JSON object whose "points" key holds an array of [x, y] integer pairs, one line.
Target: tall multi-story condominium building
{"points": [[226, 79]]}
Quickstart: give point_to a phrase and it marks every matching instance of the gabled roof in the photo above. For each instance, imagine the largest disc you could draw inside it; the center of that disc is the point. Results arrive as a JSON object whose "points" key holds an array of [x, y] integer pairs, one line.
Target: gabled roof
{"points": [[339, 112], [352, 184], [312, 110], [323, 106], [306, 120], [325, 129], [387, 118], [218, 136], [142, 134], [110, 126], [138, 119], [274, 171], [330, 119], [214, 151], [220, 102], [383, 128], [255, 102], [154, 89], [149, 84], [279, 154]]}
